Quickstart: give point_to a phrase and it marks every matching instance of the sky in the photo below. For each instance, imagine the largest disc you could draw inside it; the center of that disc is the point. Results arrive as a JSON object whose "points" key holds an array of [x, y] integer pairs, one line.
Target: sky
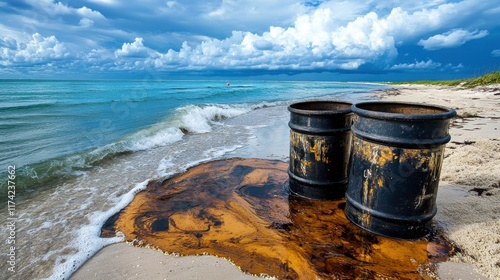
{"points": [[359, 40]]}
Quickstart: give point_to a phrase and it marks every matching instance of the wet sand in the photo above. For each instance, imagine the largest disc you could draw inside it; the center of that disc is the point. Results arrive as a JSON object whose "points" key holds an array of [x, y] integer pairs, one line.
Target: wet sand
{"points": [[468, 199]]}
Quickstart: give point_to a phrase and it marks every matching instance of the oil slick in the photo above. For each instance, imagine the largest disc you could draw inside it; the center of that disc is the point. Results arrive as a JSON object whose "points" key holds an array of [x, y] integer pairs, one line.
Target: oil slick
{"points": [[241, 210]]}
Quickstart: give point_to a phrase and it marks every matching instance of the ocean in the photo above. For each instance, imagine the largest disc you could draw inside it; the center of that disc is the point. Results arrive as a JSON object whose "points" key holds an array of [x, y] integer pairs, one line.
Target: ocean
{"points": [[78, 151]]}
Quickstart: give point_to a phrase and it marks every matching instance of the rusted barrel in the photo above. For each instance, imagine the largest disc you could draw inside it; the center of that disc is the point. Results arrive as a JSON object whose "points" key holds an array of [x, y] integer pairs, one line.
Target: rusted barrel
{"points": [[397, 153], [320, 143]]}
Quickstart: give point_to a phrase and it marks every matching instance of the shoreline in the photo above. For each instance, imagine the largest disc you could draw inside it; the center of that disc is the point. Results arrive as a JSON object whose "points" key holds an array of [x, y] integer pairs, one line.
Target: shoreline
{"points": [[471, 219]]}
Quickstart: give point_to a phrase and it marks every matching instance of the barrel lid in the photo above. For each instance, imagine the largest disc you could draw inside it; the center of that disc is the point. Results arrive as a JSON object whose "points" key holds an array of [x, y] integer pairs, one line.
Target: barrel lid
{"points": [[402, 111], [320, 107]]}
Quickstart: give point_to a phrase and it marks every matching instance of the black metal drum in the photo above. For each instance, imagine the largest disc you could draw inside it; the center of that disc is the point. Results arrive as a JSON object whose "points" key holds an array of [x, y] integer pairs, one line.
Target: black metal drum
{"points": [[396, 159], [320, 143]]}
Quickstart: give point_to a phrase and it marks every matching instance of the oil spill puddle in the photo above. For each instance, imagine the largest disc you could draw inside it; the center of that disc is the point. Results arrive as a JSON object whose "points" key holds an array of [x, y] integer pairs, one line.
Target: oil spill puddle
{"points": [[240, 209]]}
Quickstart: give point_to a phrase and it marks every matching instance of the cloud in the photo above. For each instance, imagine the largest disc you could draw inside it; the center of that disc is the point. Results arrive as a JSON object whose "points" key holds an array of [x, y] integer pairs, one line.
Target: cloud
{"points": [[313, 41], [38, 50], [243, 11], [261, 35], [8, 43], [89, 13], [135, 49], [86, 22], [49, 7], [104, 2], [429, 64], [451, 39], [426, 65], [316, 40], [52, 8], [262, 45], [170, 4], [495, 53]]}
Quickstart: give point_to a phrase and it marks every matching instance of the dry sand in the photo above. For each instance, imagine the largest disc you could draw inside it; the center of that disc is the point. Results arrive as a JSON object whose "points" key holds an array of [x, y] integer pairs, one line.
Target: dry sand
{"points": [[468, 200]]}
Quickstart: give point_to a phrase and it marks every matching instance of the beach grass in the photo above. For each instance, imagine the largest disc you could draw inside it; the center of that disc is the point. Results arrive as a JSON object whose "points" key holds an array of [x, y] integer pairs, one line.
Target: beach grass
{"points": [[487, 79]]}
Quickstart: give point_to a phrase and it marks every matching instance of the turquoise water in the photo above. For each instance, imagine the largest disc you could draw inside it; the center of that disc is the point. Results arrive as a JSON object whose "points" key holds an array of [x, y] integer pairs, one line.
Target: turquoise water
{"points": [[53, 128], [83, 149]]}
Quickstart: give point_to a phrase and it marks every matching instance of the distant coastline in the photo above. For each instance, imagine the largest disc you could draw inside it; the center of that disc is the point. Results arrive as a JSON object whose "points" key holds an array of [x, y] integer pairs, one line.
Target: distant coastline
{"points": [[492, 78]]}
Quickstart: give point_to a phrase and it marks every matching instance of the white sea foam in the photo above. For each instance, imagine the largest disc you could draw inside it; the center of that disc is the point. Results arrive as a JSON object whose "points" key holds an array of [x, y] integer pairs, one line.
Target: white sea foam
{"points": [[191, 118], [87, 240], [198, 119], [256, 126], [159, 138], [216, 153], [165, 164]]}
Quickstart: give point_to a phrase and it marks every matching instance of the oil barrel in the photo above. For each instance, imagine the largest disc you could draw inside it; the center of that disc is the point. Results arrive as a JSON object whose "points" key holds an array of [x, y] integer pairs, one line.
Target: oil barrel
{"points": [[320, 143], [397, 154]]}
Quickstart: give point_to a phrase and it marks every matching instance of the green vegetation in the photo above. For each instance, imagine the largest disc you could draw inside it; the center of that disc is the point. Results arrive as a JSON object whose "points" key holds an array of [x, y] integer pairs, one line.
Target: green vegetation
{"points": [[488, 79]]}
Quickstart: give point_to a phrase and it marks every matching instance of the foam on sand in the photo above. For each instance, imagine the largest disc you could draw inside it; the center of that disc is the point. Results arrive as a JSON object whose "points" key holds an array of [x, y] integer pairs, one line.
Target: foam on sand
{"points": [[88, 240]]}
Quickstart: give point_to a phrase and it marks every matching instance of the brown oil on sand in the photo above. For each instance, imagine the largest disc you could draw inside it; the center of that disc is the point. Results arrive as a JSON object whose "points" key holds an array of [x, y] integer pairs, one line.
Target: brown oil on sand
{"points": [[241, 210]]}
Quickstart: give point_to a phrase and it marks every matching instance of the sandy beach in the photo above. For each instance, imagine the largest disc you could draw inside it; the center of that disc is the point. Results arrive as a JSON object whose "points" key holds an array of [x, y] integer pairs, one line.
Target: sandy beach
{"points": [[468, 199]]}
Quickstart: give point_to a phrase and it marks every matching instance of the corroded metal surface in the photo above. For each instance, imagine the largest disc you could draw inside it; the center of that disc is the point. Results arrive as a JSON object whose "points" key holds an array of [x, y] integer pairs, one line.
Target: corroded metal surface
{"points": [[396, 160], [320, 143], [240, 209], [321, 158], [396, 188]]}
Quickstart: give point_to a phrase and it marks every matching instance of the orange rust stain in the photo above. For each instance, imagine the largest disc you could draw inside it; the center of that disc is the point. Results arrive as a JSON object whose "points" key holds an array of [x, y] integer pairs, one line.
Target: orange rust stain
{"points": [[403, 162], [299, 140], [315, 148], [435, 163], [324, 152], [319, 148], [386, 155], [240, 209], [316, 145]]}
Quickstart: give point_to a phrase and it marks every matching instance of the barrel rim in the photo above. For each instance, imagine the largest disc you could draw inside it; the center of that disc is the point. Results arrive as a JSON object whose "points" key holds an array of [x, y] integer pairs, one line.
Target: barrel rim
{"points": [[447, 113], [320, 112]]}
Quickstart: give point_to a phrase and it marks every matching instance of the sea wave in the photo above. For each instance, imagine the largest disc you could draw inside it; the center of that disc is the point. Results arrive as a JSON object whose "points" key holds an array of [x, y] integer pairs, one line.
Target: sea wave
{"points": [[6, 107], [199, 119], [189, 119]]}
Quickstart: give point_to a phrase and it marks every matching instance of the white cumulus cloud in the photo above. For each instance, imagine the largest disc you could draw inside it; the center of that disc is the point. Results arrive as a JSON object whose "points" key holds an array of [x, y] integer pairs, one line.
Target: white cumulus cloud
{"points": [[288, 36], [451, 39], [316, 39], [134, 49], [37, 50]]}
